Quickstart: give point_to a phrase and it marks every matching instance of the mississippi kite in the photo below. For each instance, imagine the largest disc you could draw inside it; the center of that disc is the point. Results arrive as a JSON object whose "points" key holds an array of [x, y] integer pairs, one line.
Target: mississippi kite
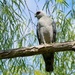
{"points": [[46, 33]]}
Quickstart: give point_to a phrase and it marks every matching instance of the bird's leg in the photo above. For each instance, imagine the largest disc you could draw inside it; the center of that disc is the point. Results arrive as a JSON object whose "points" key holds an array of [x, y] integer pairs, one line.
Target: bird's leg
{"points": [[44, 42], [43, 37]]}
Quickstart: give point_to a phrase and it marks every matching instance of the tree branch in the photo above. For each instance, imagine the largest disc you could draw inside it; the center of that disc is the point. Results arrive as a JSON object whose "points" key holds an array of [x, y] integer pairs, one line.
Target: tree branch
{"points": [[28, 51]]}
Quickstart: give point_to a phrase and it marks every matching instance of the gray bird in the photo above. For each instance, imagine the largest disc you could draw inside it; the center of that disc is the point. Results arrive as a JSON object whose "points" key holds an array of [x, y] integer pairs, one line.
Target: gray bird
{"points": [[46, 33]]}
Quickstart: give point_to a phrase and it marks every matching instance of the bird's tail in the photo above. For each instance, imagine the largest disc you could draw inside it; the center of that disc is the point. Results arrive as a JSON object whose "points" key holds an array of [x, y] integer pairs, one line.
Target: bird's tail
{"points": [[49, 59]]}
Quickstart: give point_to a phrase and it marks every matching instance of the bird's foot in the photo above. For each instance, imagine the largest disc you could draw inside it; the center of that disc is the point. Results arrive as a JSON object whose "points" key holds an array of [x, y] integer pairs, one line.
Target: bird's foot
{"points": [[45, 44]]}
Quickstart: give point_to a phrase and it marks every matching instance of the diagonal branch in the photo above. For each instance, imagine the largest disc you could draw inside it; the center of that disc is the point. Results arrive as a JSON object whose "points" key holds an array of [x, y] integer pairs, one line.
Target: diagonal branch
{"points": [[28, 51]]}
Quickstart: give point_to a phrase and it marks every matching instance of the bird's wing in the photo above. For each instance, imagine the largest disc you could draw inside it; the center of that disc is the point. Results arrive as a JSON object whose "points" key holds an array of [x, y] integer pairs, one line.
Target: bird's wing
{"points": [[38, 34], [54, 31]]}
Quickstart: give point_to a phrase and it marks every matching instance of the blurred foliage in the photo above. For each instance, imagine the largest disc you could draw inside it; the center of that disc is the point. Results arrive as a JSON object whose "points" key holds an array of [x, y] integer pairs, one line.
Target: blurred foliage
{"points": [[18, 29]]}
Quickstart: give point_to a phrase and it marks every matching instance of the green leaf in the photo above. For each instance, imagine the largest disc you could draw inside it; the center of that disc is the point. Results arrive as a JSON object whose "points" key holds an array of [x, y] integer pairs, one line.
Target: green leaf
{"points": [[36, 72], [59, 1]]}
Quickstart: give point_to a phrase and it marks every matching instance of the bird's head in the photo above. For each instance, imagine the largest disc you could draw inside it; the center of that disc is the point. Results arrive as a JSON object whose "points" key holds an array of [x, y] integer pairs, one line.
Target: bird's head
{"points": [[40, 14]]}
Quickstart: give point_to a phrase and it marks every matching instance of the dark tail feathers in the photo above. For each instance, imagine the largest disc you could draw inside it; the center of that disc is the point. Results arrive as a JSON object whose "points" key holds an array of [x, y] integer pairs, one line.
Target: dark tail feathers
{"points": [[49, 59]]}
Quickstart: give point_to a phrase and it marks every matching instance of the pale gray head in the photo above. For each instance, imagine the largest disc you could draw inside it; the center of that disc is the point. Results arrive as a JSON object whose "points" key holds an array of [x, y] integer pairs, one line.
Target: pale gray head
{"points": [[40, 14]]}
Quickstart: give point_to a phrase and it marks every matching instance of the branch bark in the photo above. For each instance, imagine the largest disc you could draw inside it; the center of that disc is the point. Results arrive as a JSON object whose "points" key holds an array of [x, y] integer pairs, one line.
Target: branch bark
{"points": [[28, 51]]}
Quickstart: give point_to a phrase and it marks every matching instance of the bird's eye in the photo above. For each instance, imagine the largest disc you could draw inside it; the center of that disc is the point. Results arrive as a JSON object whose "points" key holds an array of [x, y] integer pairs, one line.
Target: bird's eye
{"points": [[38, 12]]}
